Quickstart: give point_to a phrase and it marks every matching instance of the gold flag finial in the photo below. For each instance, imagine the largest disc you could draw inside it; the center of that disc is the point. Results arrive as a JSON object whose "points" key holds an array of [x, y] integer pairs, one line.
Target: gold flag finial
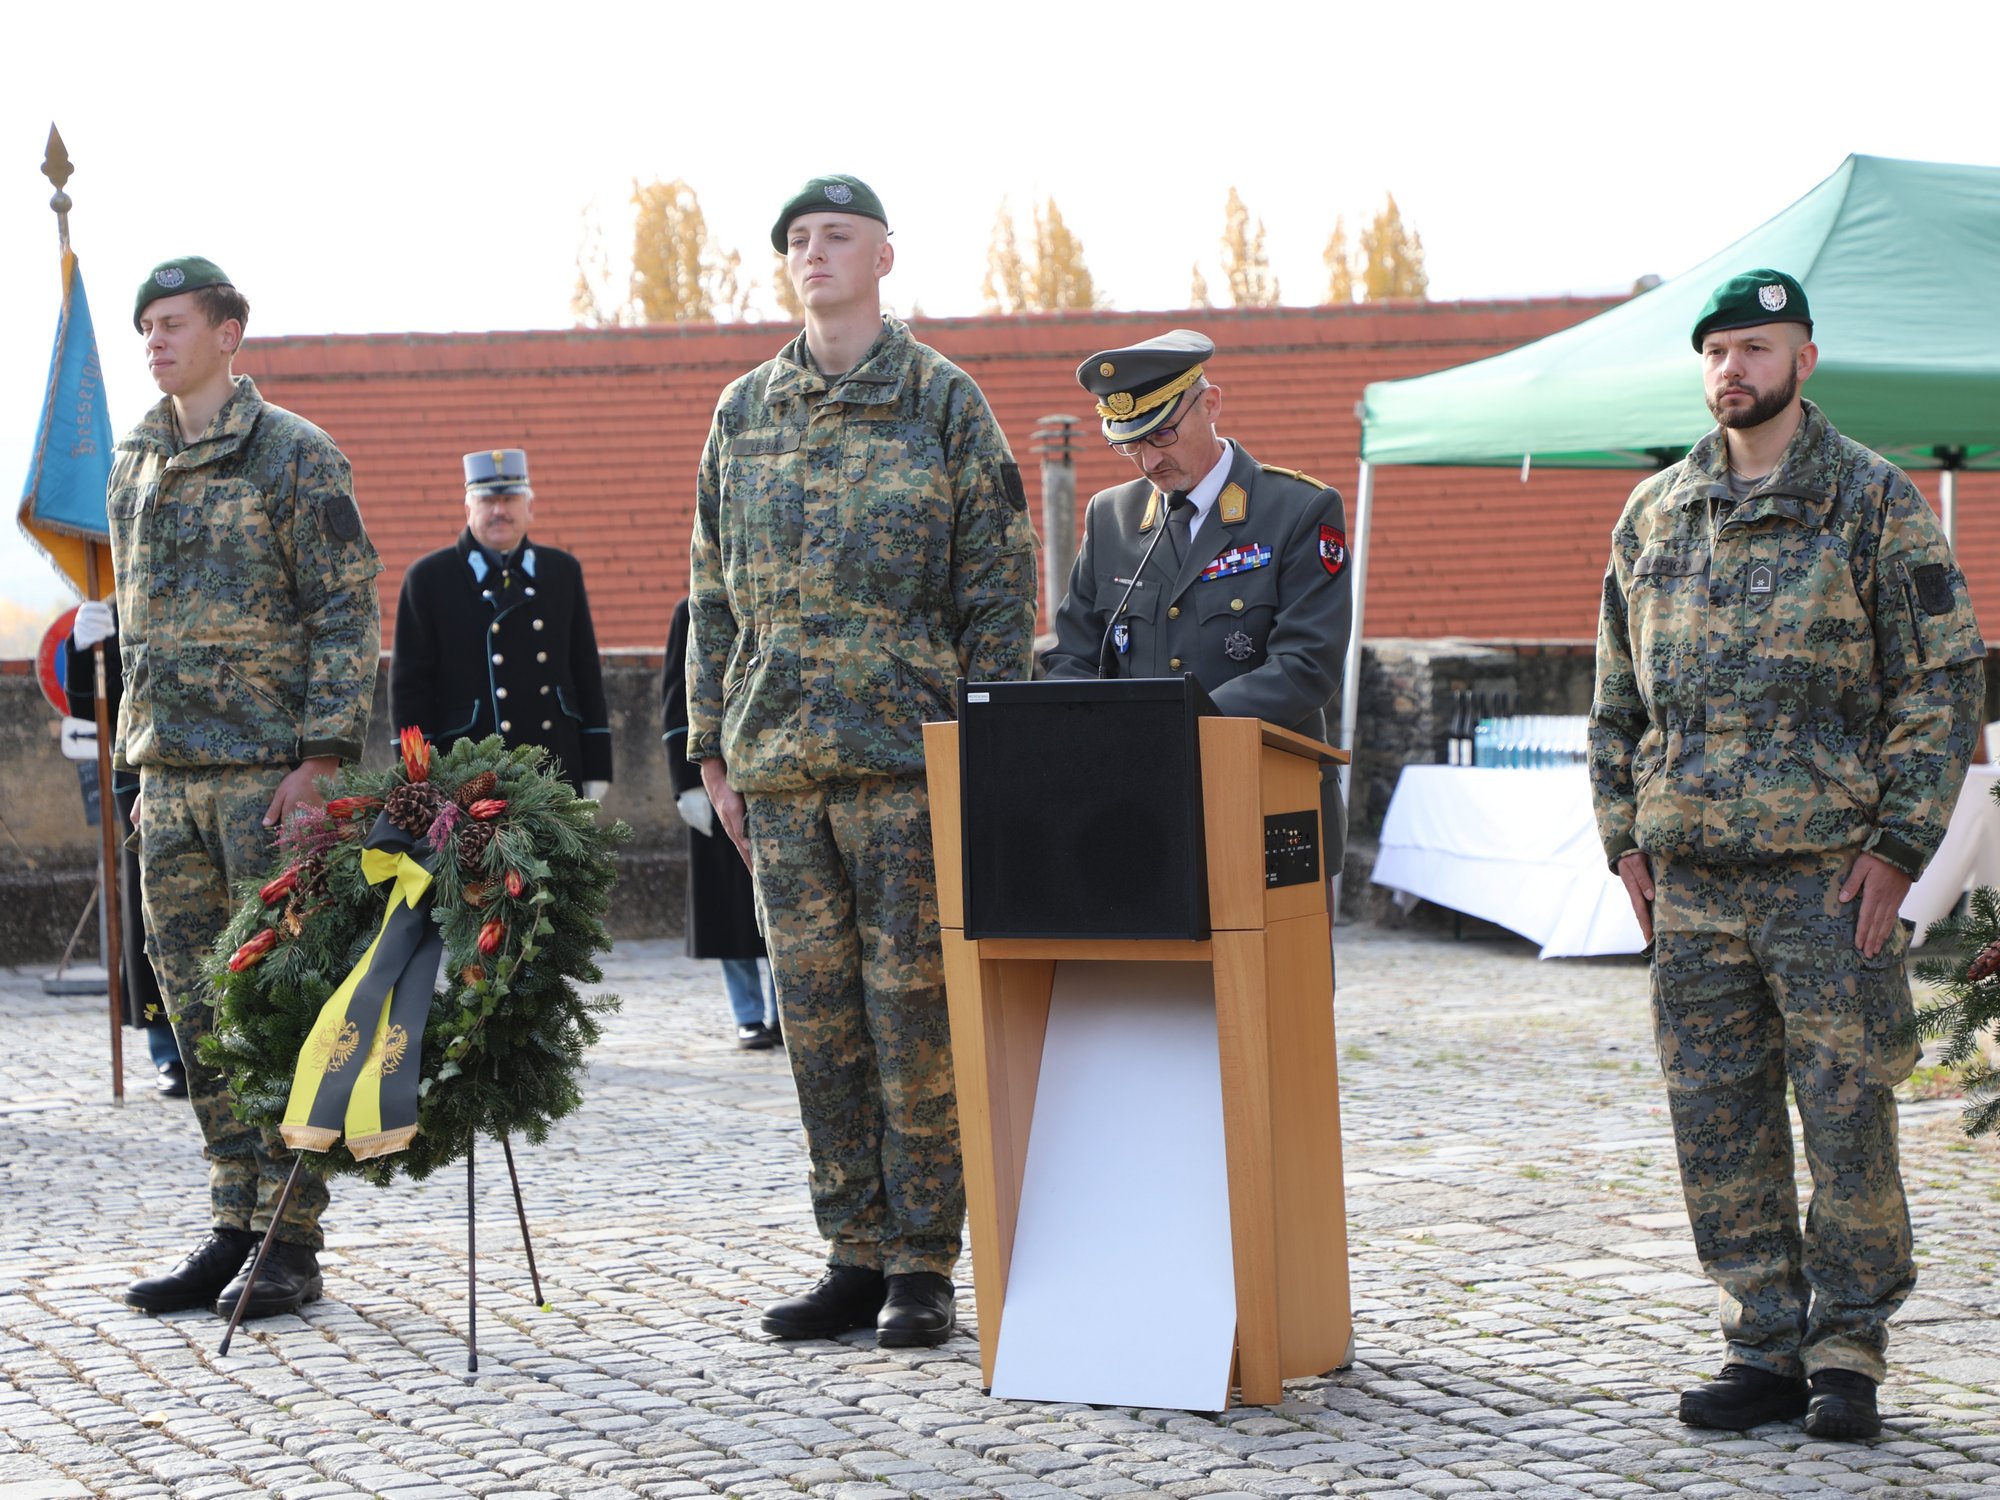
{"points": [[57, 168]]}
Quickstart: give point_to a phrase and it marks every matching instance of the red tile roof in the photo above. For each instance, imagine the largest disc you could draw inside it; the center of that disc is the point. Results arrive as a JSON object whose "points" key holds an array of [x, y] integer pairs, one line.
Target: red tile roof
{"points": [[614, 419]]}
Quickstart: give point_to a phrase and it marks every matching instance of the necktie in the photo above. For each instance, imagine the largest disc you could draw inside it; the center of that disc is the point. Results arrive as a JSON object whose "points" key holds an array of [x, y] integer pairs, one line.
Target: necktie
{"points": [[1180, 515]]}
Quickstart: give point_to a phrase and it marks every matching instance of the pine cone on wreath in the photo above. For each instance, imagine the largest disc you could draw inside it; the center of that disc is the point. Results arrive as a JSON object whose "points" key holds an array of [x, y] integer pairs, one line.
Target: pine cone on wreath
{"points": [[476, 787], [473, 837], [413, 807], [312, 882], [1986, 964]]}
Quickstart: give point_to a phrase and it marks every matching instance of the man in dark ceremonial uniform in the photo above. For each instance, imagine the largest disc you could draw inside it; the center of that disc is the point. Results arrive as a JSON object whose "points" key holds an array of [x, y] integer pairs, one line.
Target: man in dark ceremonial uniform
{"points": [[493, 635], [1209, 562]]}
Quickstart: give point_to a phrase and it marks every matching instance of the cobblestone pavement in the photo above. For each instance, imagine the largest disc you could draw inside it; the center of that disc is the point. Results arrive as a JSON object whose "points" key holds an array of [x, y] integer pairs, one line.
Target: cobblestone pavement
{"points": [[1523, 1284]]}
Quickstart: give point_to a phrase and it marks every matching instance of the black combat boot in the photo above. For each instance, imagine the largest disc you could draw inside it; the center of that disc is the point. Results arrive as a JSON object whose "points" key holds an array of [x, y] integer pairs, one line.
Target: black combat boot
{"points": [[1842, 1406], [1741, 1397], [196, 1280], [919, 1312], [846, 1297], [288, 1279]]}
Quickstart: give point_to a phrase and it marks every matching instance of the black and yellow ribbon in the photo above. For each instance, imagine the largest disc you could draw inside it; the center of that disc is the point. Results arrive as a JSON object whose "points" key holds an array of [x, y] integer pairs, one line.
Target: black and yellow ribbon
{"points": [[369, 1095]]}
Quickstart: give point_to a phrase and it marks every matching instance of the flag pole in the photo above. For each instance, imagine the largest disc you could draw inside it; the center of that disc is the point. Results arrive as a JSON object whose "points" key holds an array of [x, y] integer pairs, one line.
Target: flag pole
{"points": [[56, 167]]}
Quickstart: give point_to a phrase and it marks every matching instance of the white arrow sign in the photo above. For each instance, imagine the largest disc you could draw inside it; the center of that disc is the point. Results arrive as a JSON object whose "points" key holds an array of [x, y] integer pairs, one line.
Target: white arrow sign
{"points": [[79, 739]]}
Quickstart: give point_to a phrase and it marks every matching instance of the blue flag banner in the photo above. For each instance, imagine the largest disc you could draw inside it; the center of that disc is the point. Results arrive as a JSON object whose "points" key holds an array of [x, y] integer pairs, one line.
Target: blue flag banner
{"points": [[62, 507]]}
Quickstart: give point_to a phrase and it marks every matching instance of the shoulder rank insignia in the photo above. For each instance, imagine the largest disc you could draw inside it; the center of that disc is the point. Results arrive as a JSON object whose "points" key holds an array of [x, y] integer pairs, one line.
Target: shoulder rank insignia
{"points": [[1238, 560], [1295, 474], [1152, 516], [1231, 503]]}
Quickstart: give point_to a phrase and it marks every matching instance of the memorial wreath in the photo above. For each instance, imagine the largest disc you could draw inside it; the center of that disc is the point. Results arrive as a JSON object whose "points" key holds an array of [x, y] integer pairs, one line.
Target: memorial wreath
{"points": [[330, 1023]]}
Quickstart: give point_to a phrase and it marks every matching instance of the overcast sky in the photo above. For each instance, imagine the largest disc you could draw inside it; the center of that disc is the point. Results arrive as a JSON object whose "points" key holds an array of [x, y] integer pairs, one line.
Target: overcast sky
{"points": [[376, 168]]}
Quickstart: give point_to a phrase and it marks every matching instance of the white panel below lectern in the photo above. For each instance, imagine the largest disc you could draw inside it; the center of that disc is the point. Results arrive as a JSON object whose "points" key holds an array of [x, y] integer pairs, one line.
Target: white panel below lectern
{"points": [[1122, 1287]]}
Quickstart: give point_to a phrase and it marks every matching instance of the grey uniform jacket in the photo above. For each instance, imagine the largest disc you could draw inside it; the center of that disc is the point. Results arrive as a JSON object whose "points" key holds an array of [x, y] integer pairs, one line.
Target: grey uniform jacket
{"points": [[1258, 610]]}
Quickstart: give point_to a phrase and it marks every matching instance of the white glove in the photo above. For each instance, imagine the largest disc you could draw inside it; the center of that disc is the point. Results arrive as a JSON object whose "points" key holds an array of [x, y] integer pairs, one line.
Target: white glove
{"points": [[93, 624], [594, 790], [696, 811]]}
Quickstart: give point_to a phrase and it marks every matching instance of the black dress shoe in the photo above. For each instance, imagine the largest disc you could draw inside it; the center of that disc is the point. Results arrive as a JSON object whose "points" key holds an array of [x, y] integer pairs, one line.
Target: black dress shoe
{"points": [[288, 1279], [173, 1080], [756, 1037], [846, 1297], [196, 1280], [1742, 1397], [919, 1312], [1842, 1406]]}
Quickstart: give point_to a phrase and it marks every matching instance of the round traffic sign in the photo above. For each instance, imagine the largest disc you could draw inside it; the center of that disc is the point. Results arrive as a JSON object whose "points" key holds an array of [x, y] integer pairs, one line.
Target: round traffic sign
{"points": [[52, 660]]}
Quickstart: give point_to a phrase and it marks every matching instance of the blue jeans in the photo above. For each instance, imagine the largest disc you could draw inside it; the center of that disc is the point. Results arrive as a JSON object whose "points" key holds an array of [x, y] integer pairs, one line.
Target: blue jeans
{"points": [[745, 988]]}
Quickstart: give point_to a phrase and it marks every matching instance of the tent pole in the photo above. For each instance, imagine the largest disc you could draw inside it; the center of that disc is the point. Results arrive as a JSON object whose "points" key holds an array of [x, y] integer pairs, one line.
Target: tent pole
{"points": [[1350, 680], [1350, 676], [1948, 504]]}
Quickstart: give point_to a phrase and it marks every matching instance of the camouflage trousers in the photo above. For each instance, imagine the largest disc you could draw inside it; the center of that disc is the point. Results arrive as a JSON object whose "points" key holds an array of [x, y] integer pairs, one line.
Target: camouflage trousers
{"points": [[849, 909], [200, 832], [1756, 980]]}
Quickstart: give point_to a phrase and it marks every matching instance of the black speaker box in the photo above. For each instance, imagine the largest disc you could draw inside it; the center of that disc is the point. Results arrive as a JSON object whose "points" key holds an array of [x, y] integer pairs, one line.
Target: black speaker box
{"points": [[1082, 808]]}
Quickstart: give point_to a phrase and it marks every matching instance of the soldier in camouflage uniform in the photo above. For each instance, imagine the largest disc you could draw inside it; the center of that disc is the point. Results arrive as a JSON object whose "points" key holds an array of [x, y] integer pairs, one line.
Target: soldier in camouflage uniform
{"points": [[1789, 681], [250, 633], [861, 539]]}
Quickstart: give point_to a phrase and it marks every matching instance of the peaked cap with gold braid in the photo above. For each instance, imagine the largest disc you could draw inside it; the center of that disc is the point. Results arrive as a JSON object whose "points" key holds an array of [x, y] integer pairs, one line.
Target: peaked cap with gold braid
{"points": [[1137, 387]]}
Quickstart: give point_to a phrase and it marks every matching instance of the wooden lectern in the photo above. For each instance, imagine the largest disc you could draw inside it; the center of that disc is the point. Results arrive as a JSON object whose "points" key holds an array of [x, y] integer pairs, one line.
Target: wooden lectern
{"points": [[1269, 951]]}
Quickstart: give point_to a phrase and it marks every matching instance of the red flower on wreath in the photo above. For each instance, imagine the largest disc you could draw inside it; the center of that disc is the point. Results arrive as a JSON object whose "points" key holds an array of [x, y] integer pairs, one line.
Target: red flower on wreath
{"points": [[275, 891], [253, 950], [351, 807], [488, 808], [416, 754], [491, 936]]}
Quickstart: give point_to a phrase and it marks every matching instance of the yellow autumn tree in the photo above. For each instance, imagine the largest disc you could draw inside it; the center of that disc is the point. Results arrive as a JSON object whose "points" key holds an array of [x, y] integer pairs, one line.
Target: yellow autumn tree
{"points": [[1005, 288], [679, 274], [1050, 276], [593, 299], [1393, 256], [1388, 262], [1245, 264], [1339, 259], [1198, 288], [1061, 278]]}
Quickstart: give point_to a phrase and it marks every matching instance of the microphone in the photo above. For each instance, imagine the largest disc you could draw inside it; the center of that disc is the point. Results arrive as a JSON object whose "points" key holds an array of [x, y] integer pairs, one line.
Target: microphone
{"points": [[1106, 662]]}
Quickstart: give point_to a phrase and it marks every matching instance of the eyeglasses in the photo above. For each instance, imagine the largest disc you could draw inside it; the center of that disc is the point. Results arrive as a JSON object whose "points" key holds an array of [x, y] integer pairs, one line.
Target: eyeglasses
{"points": [[1159, 437]]}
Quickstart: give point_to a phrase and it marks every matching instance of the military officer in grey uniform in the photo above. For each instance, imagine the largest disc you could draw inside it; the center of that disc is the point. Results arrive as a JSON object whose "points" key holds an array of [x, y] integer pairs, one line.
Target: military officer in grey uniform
{"points": [[1209, 562], [493, 635]]}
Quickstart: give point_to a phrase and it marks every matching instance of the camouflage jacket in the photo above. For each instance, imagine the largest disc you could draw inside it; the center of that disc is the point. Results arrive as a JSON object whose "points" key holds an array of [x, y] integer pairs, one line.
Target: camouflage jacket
{"points": [[1809, 680], [858, 544], [246, 597]]}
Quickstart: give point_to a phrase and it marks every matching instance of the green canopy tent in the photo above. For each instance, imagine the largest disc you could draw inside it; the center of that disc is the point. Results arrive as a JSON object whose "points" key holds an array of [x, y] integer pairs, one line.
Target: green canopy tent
{"points": [[1901, 263]]}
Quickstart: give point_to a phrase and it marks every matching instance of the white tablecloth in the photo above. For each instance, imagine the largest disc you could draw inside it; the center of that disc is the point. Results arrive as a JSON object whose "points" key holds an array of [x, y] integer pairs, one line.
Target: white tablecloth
{"points": [[1968, 857], [1515, 847], [1520, 848]]}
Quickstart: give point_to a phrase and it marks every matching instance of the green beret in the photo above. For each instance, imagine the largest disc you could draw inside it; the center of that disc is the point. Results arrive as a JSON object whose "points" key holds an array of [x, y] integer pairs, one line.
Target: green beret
{"points": [[1755, 297], [834, 194], [184, 273], [1138, 386]]}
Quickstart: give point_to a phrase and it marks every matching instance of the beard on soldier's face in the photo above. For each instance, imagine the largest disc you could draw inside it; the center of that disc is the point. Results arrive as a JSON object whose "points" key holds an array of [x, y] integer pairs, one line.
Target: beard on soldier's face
{"points": [[1763, 406]]}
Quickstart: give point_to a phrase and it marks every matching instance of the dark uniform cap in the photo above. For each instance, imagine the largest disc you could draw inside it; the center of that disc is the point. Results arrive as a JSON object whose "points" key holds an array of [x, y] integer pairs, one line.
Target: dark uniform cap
{"points": [[184, 273], [1755, 297], [1137, 388], [497, 469], [836, 193]]}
